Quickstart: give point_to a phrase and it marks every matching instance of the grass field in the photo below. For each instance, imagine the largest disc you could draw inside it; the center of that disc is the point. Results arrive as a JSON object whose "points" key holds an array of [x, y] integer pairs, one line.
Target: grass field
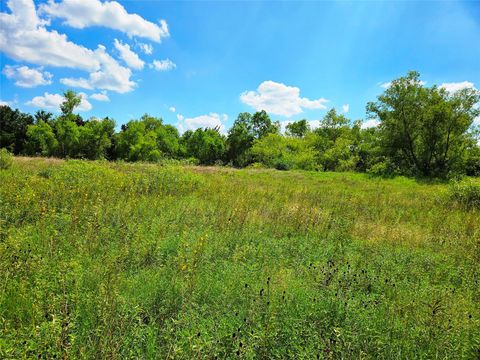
{"points": [[118, 261]]}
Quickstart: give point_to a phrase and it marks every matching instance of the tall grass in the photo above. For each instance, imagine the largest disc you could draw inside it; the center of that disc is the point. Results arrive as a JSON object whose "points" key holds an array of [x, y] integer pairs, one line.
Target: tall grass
{"points": [[111, 260]]}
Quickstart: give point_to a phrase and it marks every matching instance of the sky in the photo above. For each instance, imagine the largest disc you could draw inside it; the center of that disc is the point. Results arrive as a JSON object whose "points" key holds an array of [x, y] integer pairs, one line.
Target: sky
{"points": [[200, 63]]}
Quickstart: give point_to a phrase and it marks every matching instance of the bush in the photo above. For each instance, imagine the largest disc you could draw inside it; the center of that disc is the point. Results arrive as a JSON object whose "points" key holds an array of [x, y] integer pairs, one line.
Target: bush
{"points": [[383, 168], [256, 165], [466, 193], [282, 164], [6, 159]]}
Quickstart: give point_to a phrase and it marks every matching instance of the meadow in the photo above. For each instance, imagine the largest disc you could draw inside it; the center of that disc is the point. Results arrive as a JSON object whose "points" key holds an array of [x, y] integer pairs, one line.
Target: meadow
{"points": [[112, 260]]}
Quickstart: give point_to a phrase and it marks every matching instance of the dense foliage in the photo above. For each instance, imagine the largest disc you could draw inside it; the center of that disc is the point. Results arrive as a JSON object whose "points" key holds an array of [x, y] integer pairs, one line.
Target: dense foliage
{"points": [[422, 131], [111, 260]]}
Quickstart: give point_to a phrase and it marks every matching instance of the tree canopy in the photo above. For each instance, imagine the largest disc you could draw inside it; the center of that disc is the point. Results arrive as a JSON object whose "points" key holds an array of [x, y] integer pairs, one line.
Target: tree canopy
{"points": [[422, 131]]}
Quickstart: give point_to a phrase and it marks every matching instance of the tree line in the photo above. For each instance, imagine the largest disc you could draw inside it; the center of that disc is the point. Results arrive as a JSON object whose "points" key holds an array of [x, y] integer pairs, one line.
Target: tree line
{"points": [[422, 131]]}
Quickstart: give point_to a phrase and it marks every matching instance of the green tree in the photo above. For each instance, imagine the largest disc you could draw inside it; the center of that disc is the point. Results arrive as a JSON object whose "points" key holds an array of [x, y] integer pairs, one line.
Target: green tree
{"points": [[168, 141], [262, 125], [13, 129], [135, 143], [72, 100], [41, 139], [277, 151], [95, 138], [67, 134], [206, 145], [42, 115], [298, 128], [245, 130], [424, 131]]}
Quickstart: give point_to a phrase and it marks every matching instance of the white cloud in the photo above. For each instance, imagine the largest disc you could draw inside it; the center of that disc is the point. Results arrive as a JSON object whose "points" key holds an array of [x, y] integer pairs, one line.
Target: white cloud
{"points": [[163, 65], [84, 104], [53, 101], [455, 86], [5, 103], [49, 101], [101, 96], [111, 75], [23, 36], [212, 120], [180, 117], [345, 108], [280, 99], [172, 108], [370, 123], [84, 13], [146, 48], [127, 55], [27, 77]]}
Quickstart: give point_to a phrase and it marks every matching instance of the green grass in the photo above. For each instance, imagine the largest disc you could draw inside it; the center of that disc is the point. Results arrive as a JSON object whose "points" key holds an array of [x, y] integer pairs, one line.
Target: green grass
{"points": [[117, 261]]}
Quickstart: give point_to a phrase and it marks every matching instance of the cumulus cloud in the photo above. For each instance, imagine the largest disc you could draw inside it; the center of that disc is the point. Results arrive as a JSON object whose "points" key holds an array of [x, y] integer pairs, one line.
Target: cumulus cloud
{"points": [[110, 14], [111, 75], [127, 55], [27, 77], [370, 123], [101, 96], [280, 99], [456, 86], [172, 108], [345, 108], [53, 101], [146, 48], [212, 120], [5, 103], [23, 36], [163, 65]]}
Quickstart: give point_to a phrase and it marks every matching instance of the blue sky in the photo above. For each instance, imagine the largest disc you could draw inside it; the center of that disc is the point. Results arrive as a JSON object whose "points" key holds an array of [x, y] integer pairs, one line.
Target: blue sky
{"points": [[208, 61]]}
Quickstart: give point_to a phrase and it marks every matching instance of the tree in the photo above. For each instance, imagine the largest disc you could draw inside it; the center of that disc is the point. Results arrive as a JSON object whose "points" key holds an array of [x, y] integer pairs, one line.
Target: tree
{"points": [[168, 141], [283, 153], [245, 130], [137, 142], [72, 100], [41, 139], [67, 134], [333, 125], [262, 125], [13, 129], [42, 115], [206, 145], [240, 140], [298, 128], [95, 138], [424, 131]]}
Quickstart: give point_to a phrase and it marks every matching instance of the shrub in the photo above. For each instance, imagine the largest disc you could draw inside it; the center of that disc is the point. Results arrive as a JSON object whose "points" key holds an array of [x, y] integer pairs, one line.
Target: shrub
{"points": [[383, 168], [466, 193], [256, 165], [282, 164], [6, 159]]}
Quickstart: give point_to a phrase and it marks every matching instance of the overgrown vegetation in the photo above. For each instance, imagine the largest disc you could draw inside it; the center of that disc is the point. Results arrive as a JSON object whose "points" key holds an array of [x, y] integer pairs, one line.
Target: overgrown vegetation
{"points": [[466, 193], [117, 260], [6, 159], [423, 131]]}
